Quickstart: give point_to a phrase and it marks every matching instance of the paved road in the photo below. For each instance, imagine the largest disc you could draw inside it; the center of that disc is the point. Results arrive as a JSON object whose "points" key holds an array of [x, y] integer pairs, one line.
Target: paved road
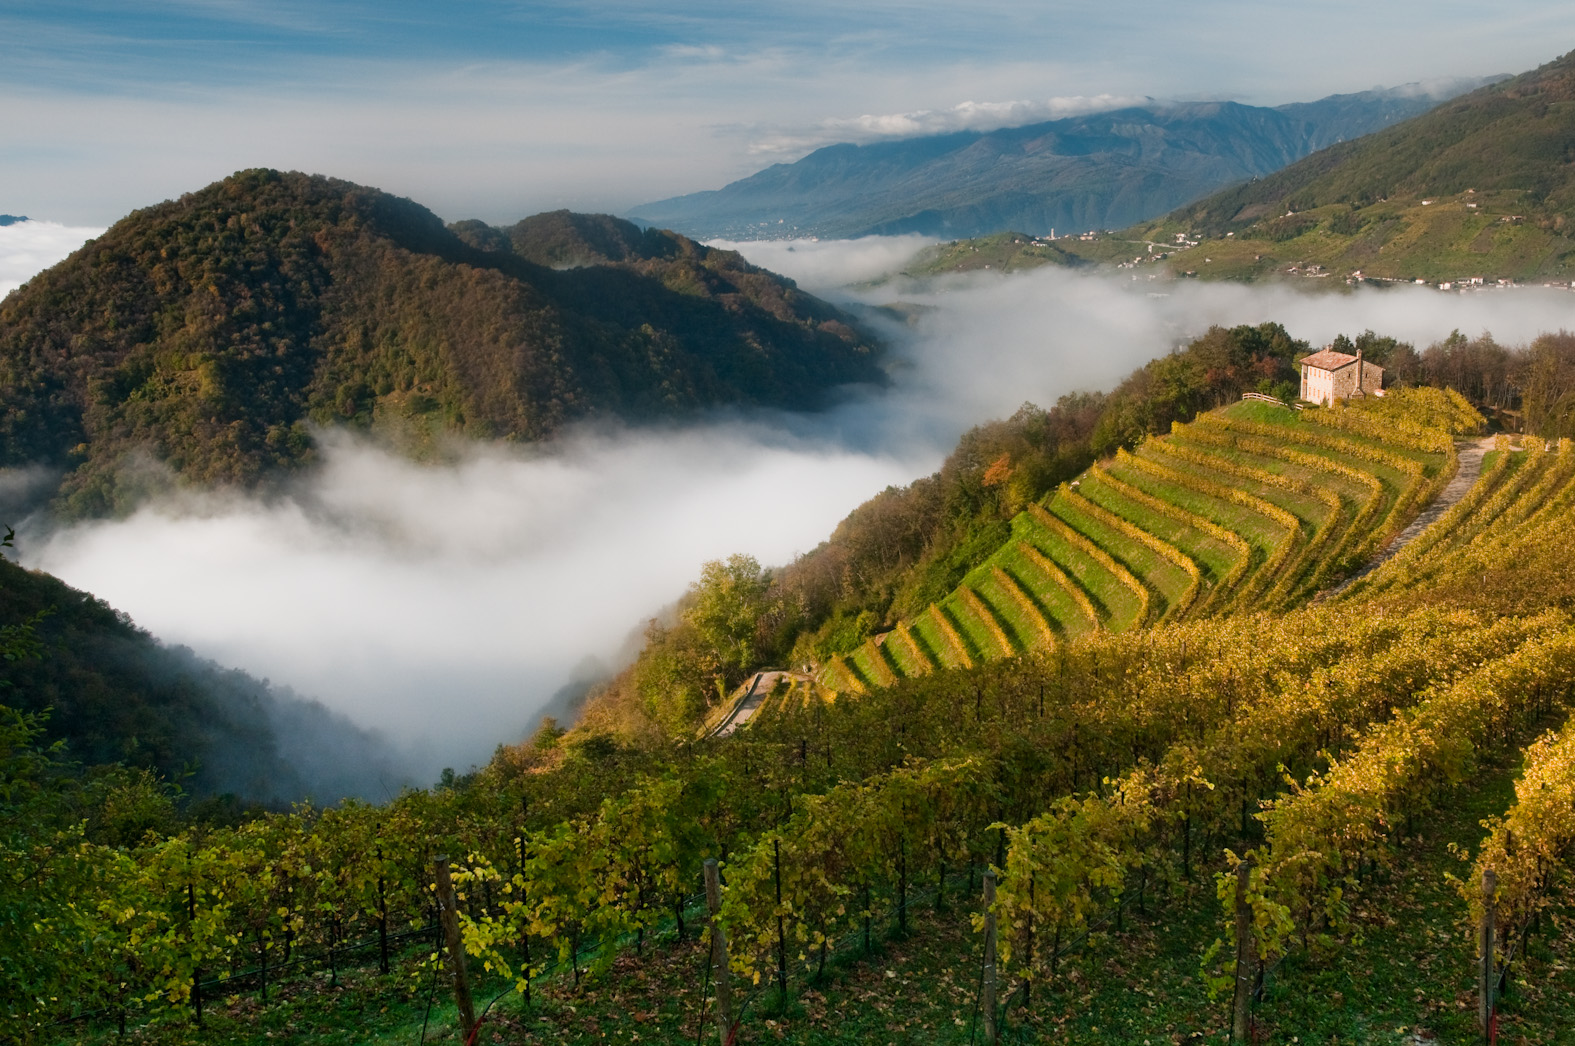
{"points": [[1470, 457], [759, 689]]}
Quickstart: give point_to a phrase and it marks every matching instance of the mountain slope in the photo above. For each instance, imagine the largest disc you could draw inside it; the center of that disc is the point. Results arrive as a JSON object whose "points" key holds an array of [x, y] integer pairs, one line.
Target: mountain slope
{"points": [[1248, 507], [1482, 185], [211, 332], [1103, 170], [114, 694]]}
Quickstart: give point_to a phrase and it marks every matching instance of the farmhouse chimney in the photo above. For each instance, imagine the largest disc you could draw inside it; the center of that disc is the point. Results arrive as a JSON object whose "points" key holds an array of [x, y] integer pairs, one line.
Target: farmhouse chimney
{"points": [[1358, 370]]}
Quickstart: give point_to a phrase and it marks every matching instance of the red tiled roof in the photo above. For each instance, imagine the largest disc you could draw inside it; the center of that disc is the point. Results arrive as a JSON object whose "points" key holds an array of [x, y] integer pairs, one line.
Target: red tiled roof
{"points": [[1328, 359]]}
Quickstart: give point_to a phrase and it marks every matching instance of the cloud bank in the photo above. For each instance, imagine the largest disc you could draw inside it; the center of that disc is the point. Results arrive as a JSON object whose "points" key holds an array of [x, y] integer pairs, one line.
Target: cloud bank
{"points": [[447, 604], [964, 116], [829, 267], [27, 248]]}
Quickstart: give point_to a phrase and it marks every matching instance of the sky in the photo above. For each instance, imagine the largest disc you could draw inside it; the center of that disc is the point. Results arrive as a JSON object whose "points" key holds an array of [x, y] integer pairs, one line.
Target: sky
{"points": [[501, 108]]}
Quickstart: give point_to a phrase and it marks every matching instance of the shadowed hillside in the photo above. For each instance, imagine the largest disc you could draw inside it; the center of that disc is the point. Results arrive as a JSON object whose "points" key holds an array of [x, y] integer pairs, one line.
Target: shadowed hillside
{"points": [[114, 694]]}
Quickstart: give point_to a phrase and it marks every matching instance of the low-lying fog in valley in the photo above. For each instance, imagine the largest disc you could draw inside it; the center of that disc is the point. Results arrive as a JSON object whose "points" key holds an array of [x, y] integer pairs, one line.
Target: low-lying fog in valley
{"points": [[28, 247], [446, 605]]}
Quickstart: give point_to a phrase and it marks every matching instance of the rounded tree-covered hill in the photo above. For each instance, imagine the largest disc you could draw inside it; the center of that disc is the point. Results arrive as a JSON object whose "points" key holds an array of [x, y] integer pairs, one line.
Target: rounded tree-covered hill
{"points": [[213, 331]]}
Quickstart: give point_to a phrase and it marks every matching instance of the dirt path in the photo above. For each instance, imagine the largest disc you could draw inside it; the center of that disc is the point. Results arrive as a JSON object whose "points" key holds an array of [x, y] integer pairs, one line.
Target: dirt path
{"points": [[760, 688], [1470, 457]]}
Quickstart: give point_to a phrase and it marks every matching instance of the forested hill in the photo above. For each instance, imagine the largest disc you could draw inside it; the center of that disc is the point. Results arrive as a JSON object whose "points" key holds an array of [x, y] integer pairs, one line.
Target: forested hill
{"points": [[214, 330], [1482, 185], [1095, 171], [114, 694]]}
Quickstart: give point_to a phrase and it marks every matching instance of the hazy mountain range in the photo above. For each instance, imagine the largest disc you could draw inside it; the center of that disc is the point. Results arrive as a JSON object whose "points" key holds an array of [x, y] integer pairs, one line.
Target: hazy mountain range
{"points": [[1095, 171], [1482, 186]]}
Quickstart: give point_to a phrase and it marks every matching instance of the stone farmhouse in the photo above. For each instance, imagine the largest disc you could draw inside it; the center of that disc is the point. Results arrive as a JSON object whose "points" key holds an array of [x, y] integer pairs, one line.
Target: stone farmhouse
{"points": [[1329, 375]]}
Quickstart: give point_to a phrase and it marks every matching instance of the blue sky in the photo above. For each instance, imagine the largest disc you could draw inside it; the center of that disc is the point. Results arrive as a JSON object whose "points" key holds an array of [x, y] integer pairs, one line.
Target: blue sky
{"points": [[498, 108]]}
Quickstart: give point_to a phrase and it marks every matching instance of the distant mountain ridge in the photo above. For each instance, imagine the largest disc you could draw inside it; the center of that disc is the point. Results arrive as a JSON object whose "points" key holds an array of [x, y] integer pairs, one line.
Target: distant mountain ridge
{"points": [[13, 219], [1481, 186], [211, 333], [1094, 171]]}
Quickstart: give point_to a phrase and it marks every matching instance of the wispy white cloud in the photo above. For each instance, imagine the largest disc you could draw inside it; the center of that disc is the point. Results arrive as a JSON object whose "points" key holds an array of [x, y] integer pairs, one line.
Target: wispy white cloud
{"points": [[964, 116], [29, 247], [605, 104], [495, 140]]}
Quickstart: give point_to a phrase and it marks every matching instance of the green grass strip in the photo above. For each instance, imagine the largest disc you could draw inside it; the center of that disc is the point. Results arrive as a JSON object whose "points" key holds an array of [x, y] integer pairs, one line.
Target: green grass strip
{"points": [[1070, 500], [1124, 577], [1058, 583], [987, 629], [956, 651], [1242, 558], [1039, 628]]}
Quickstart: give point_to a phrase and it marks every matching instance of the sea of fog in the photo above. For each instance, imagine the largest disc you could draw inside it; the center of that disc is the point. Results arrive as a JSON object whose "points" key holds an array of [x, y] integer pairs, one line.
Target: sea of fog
{"points": [[446, 605], [28, 247]]}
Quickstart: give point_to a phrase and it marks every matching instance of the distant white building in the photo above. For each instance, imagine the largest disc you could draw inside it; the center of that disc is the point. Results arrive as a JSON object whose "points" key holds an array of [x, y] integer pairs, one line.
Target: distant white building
{"points": [[1329, 375]]}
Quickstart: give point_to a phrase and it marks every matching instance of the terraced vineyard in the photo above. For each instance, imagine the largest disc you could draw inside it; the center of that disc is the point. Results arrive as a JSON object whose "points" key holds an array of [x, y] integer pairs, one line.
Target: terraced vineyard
{"points": [[1510, 516], [1253, 507]]}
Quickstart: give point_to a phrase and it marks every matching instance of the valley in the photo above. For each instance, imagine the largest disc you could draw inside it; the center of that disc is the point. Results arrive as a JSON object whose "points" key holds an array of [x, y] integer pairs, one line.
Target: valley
{"points": [[1106, 772], [897, 596]]}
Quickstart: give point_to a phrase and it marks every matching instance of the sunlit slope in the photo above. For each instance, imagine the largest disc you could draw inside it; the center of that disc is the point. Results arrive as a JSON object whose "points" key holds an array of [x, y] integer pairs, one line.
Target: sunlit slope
{"points": [[1253, 507], [1509, 526], [1440, 238], [1482, 186]]}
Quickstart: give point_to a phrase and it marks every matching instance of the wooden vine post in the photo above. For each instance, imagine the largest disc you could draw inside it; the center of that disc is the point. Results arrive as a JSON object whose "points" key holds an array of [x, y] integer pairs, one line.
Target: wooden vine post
{"points": [[866, 918], [776, 856], [448, 912], [333, 950], [196, 970], [382, 916], [719, 961], [987, 979], [1246, 959], [1487, 974], [902, 885], [524, 899], [262, 955]]}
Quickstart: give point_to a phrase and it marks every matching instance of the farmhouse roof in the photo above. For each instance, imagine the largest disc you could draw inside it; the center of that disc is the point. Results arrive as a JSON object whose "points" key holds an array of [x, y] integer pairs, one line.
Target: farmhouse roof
{"points": [[1328, 359]]}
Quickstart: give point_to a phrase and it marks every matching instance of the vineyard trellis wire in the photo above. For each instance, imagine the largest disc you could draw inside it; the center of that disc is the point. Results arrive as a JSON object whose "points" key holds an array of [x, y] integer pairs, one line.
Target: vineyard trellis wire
{"points": [[252, 978]]}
